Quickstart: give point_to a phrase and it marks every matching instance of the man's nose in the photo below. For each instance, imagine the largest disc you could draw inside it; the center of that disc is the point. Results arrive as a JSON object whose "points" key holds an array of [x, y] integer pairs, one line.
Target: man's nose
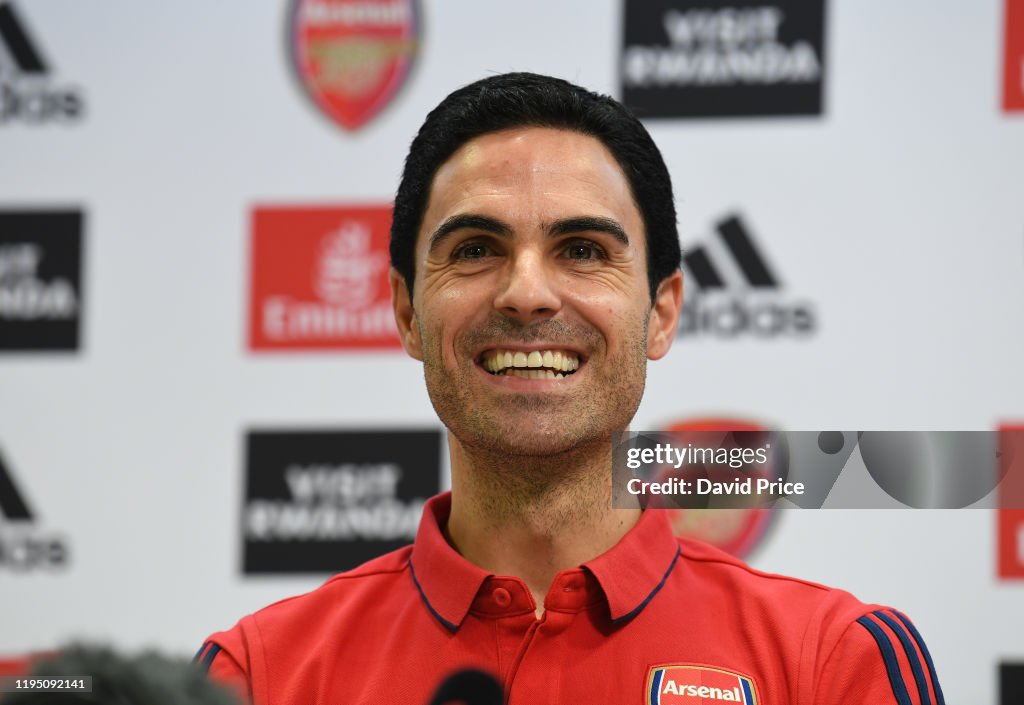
{"points": [[529, 289]]}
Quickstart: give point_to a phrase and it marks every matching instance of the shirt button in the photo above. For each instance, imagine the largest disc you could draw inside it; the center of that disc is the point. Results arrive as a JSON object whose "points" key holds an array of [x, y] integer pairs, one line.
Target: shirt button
{"points": [[502, 597]]}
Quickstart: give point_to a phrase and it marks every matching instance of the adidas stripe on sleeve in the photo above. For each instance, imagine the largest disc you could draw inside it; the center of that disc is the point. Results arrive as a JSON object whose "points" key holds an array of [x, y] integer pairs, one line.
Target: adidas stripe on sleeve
{"points": [[882, 658], [204, 657]]}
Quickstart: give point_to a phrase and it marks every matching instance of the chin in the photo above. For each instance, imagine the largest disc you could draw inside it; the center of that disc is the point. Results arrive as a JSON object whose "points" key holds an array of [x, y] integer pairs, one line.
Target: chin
{"points": [[515, 440]]}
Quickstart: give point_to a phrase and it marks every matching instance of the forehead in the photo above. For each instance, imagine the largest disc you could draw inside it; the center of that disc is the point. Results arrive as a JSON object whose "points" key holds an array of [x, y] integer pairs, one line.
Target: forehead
{"points": [[532, 176]]}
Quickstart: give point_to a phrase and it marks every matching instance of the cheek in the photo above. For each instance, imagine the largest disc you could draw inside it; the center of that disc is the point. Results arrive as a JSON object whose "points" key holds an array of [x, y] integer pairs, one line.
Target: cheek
{"points": [[618, 315], [611, 288], [451, 312], [448, 292]]}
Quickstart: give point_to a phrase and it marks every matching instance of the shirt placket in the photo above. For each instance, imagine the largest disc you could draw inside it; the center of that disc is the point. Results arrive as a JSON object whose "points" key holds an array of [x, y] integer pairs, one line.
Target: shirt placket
{"points": [[539, 667]]}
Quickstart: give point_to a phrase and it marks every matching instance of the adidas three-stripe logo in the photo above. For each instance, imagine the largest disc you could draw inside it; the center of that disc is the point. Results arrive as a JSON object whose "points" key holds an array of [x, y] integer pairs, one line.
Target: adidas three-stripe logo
{"points": [[12, 504], [900, 642], [29, 95], [744, 252], [732, 291], [28, 546], [23, 52]]}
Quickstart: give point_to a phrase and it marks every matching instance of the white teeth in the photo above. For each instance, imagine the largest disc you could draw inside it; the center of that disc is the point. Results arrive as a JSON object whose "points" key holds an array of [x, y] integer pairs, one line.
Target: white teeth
{"points": [[548, 364]]}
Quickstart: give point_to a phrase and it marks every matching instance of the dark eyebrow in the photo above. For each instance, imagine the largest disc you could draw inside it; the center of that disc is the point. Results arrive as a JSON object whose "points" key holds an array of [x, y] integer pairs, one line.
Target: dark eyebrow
{"points": [[467, 220], [567, 226], [589, 224]]}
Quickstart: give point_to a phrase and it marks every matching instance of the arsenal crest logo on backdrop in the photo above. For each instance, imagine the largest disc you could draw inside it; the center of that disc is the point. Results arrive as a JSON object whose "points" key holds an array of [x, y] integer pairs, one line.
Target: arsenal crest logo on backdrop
{"points": [[352, 56]]}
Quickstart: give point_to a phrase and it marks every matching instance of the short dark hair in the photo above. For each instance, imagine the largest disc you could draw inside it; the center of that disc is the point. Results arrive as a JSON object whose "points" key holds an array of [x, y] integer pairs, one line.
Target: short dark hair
{"points": [[522, 100]]}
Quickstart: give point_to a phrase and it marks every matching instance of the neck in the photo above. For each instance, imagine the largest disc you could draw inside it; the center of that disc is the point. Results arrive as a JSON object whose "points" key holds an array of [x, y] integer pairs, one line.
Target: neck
{"points": [[532, 517]]}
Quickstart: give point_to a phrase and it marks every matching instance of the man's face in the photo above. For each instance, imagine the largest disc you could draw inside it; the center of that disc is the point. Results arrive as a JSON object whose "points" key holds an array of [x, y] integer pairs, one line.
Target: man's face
{"points": [[531, 308]]}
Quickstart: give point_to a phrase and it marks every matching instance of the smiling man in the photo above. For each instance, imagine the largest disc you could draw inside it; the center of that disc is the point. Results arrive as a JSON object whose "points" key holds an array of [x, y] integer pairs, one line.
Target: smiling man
{"points": [[535, 272], [531, 310]]}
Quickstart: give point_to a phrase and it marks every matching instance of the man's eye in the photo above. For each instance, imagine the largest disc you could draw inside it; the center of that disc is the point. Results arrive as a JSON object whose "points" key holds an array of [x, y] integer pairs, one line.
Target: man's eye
{"points": [[472, 251], [583, 251]]}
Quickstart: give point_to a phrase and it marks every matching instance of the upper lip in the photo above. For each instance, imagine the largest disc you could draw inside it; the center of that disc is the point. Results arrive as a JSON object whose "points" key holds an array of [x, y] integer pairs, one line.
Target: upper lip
{"points": [[539, 347]]}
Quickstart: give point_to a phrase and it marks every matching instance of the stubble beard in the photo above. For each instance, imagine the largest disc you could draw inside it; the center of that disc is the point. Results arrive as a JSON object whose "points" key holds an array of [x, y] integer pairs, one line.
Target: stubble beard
{"points": [[527, 447]]}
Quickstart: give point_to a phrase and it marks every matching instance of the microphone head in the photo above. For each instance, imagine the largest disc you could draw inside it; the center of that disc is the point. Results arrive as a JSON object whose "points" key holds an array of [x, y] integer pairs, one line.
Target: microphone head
{"points": [[469, 687]]}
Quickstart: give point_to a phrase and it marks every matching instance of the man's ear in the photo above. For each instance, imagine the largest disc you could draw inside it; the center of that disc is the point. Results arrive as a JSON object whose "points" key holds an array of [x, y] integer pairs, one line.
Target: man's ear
{"points": [[405, 317], [664, 316]]}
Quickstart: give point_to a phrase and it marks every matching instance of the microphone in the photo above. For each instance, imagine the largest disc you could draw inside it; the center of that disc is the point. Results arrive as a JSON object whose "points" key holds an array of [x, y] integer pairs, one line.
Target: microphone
{"points": [[469, 687], [149, 678]]}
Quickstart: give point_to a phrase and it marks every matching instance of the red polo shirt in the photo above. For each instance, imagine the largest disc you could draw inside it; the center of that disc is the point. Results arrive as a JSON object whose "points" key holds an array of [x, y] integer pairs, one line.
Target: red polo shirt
{"points": [[655, 620]]}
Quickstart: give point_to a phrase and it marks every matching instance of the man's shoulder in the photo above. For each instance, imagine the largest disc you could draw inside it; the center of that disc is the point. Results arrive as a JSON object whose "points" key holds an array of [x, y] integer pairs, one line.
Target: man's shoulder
{"points": [[842, 649], [707, 558], [283, 632], [365, 579], [791, 595]]}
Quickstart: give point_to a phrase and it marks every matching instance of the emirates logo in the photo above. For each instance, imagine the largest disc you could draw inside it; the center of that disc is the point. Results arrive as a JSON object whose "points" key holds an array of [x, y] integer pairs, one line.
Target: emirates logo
{"points": [[348, 272]]}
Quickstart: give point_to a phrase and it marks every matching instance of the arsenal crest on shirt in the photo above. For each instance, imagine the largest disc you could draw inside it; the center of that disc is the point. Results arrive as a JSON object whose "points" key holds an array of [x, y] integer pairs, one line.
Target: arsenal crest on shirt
{"points": [[688, 684], [352, 56]]}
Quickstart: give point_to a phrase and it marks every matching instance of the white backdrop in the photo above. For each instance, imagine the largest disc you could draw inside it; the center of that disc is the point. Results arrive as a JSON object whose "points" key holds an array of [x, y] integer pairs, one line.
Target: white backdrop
{"points": [[897, 213]]}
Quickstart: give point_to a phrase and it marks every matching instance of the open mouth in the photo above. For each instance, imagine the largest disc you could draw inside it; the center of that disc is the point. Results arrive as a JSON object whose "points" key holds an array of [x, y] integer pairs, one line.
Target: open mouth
{"points": [[537, 364]]}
